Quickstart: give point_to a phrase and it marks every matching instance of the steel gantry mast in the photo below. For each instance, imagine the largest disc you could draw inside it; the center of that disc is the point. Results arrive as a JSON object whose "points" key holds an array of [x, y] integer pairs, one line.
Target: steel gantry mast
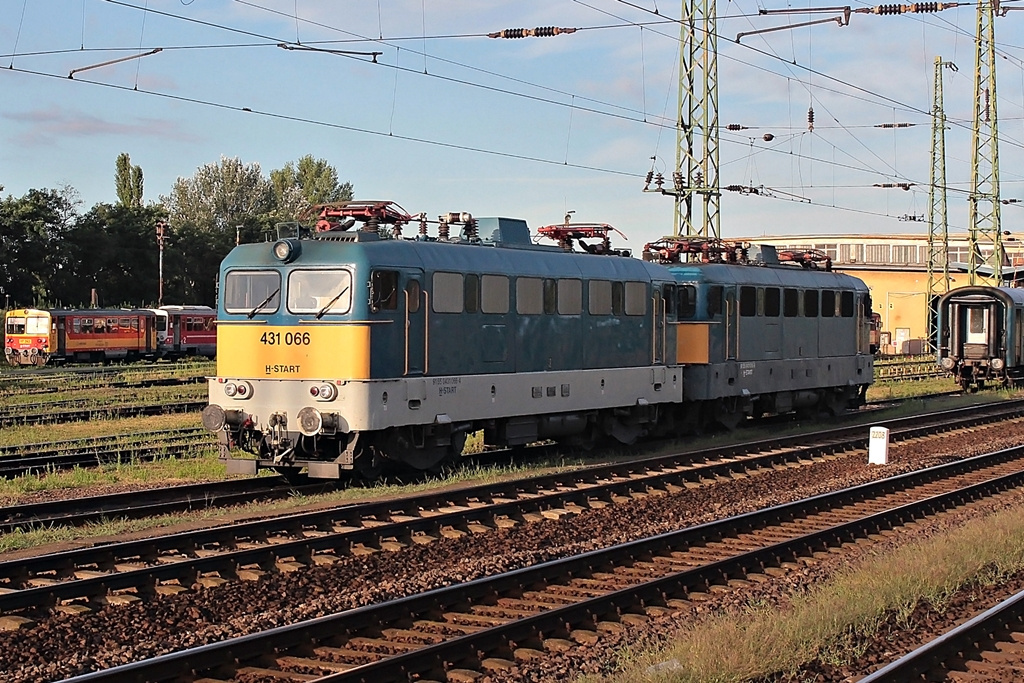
{"points": [[938, 224], [984, 222]]}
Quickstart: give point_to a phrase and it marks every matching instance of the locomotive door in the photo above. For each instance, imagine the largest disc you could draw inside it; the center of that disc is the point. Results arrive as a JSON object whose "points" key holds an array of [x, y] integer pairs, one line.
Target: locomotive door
{"points": [[658, 343], [732, 325], [415, 324], [62, 336]]}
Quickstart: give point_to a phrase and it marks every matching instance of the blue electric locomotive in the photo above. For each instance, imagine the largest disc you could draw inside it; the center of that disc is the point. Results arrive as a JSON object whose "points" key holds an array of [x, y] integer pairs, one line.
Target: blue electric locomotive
{"points": [[354, 349], [981, 335]]}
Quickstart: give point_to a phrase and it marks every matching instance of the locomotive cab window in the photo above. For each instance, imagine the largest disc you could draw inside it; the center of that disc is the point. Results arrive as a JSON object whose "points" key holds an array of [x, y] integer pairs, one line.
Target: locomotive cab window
{"points": [[37, 324], [846, 304], [412, 295], [15, 326], [252, 291], [319, 291], [668, 295], [383, 290]]}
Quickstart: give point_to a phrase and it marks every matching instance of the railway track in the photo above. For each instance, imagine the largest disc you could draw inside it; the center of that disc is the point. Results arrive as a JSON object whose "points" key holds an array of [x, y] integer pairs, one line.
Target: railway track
{"points": [[174, 563], [122, 384], [988, 647], [490, 624], [39, 458], [11, 417], [153, 502]]}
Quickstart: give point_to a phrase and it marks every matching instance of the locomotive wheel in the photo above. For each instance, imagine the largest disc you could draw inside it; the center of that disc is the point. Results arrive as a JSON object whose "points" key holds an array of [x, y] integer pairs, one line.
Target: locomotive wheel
{"points": [[368, 465]]}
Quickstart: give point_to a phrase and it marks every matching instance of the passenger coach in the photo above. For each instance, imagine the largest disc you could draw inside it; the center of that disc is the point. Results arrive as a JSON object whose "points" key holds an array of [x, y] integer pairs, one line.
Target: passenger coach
{"points": [[981, 335]]}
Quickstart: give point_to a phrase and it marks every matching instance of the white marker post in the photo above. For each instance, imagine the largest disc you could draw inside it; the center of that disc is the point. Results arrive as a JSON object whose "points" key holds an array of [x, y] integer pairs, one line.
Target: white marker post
{"points": [[878, 446]]}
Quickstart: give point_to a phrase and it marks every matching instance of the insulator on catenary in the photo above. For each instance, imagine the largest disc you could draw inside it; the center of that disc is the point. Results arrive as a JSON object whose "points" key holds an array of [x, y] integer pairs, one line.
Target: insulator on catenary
{"points": [[736, 126], [539, 32], [768, 137], [915, 8], [810, 118], [894, 125], [899, 186]]}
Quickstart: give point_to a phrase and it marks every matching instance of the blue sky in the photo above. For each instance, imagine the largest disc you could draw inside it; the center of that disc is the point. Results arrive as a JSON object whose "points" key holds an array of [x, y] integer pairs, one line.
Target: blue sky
{"points": [[448, 120]]}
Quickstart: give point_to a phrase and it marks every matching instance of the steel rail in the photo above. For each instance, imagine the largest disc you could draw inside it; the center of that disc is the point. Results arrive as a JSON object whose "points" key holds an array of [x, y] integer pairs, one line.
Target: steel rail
{"points": [[471, 650], [86, 414], [1007, 616], [468, 508]]}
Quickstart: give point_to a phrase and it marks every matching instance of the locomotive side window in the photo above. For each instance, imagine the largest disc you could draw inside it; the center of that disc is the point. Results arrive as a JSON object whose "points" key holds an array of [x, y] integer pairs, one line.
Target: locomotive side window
{"points": [[125, 323], [616, 298], [828, 304], [748, 301], [715, 301], [529, 296], [668, 295], [412, 291], [472, 293], [790, 303], [771, 302], [600, 297], [383, 290], [245, 290], [846, 304], [135, 323], [636, 298], [811, 303], [448, 293], [319, 291], [494, 294], [570, 297], [687, 302], [550, 296]]}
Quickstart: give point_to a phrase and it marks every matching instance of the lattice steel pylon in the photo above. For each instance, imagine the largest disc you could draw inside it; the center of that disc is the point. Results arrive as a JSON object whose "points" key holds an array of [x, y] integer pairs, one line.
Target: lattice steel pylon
{"points": [[938, 223], [696, 173], [984, 222]]}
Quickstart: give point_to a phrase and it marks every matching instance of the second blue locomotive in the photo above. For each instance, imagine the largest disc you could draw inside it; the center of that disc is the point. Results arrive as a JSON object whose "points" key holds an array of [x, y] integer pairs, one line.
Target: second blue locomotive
{"points": [[353, 349]]}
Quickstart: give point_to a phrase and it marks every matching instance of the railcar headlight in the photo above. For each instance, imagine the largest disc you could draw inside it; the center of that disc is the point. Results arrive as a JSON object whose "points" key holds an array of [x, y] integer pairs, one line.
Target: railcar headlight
{"points": [[947, 363], [240, 390], [287, 250], [998, 363], [326, 392]]}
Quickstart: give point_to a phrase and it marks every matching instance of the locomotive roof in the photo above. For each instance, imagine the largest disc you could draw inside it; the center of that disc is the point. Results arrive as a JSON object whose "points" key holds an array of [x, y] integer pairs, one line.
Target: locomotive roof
{"points": [[779, 275], [537, 260]]}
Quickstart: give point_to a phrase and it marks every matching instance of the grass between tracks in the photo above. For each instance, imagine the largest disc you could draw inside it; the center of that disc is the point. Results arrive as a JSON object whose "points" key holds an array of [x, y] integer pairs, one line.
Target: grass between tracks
{"points": [[832, 622]]}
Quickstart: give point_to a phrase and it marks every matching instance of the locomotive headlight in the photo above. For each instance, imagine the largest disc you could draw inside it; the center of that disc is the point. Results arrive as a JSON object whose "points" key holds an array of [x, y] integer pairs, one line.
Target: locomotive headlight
{"points": [[310, 421], [328, 392], [998, 363], [287, 250], [240, 390], [947, 363]]}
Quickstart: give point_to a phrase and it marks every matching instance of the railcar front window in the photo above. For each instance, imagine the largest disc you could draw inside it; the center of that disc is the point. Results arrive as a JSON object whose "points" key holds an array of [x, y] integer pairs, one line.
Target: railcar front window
{"points": [[313, 291], [37, 324], [977, 320], [252, 291], [15, 326]]}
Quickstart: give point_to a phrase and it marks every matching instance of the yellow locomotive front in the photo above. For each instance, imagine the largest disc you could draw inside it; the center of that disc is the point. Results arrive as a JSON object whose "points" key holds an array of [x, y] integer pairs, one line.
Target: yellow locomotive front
{"points": [[27, 336]]}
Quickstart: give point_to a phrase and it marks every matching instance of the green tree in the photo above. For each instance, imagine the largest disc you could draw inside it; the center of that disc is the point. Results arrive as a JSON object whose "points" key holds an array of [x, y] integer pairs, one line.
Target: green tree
{"points": [[304, 183], [33, 253], [128, 180]]}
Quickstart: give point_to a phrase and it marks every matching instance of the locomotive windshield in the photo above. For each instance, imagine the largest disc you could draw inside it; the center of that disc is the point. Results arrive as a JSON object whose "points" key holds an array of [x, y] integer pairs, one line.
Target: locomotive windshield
{"points": [[246, 289], [37, 324], [15, 325], [319, 291]]}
